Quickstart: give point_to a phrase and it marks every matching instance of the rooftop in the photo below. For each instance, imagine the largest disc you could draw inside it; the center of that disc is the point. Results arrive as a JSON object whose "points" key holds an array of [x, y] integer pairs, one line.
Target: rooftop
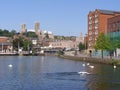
{"points": [[108, 11]]}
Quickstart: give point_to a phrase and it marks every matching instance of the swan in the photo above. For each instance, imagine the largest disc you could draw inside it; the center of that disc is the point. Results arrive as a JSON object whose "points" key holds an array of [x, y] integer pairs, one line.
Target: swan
{"points": [[91, 66], [114, 66], [10, 65], [88, 64], [83, 65], [83, 72]]}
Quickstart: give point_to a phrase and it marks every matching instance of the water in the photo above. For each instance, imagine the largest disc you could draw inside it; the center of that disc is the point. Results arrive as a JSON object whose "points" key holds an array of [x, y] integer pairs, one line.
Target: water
{"points": [[52, 73]]}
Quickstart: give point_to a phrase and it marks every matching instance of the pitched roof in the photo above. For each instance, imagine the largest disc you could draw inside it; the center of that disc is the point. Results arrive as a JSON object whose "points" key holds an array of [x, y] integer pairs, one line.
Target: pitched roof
{"points": [[108, 11]]}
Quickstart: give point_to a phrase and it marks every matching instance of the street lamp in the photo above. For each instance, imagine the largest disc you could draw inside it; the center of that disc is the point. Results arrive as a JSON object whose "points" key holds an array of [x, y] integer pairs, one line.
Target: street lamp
{"points": [[86, 43], [2, 47], [28, 47]]}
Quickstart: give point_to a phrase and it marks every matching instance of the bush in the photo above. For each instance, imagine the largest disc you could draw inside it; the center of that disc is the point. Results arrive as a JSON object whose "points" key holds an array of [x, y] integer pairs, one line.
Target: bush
{"points": [[114, 62]]}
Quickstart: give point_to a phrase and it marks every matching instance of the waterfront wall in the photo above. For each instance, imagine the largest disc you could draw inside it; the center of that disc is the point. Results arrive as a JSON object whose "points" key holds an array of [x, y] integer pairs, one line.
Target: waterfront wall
{"points": [[92, 59]]}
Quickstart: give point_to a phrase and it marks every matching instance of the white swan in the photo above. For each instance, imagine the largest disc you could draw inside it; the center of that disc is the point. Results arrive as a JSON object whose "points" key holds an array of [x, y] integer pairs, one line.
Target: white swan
{"points": [[10, 65], [91, 66], [83, 65], [114, 66], [88, 64], [82, 72]]}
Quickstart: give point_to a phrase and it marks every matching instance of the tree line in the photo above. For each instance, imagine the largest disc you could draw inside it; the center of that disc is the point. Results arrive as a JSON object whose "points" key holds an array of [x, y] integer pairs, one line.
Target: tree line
{"points": [[11, 33], [7, 33]]}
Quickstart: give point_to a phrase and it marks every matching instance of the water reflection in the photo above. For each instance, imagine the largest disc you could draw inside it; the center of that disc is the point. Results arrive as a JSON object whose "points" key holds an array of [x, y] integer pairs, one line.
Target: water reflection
{"points": [[52, 73], [105, 78]]}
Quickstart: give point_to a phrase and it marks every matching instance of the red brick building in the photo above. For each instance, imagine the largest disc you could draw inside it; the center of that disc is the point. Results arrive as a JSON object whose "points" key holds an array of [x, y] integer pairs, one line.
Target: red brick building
{"points": [[97, 23], [114, 24]]}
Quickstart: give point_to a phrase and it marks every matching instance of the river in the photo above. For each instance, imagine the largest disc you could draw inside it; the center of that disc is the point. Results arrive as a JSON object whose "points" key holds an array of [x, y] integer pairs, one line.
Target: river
{"points": [[53, 73]]}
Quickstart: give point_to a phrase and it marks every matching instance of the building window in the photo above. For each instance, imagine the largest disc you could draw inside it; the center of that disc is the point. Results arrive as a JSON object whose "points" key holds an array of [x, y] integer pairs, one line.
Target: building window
{"points": [[90, 44], [96, 16], [119, 26], [90, 22], [96, 20], [90, 27], [90, 38], [90, 33], [90, 18], [113, 25], [96, 25], [96, 31]]}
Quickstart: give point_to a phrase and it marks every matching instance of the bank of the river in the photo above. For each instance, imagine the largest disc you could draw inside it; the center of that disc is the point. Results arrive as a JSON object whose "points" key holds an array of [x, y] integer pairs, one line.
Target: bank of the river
{"points": [[93, 60]]}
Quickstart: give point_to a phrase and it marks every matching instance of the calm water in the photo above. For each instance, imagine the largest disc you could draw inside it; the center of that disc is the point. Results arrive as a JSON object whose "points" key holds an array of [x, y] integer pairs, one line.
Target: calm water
{"points": [[52, 73]]}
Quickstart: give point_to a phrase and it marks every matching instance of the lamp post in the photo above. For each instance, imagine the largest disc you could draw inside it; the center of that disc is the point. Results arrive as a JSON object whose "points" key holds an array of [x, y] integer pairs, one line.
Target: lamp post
{"points": [[2, 47], [86, 43], [28, 47], [18, 46]]}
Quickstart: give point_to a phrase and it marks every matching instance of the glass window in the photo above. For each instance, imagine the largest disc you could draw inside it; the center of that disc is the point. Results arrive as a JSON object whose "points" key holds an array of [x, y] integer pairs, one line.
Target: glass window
{"points": [[118, 24], [96, 16]]}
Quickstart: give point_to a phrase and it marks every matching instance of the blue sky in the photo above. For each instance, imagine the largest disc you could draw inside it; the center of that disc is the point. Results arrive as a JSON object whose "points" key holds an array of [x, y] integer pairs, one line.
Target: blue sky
{"points": [[62, 17]]}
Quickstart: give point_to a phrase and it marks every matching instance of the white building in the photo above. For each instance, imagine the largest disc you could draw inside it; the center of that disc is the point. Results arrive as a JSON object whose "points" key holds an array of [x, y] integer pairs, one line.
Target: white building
{"points": [[63, 44]]}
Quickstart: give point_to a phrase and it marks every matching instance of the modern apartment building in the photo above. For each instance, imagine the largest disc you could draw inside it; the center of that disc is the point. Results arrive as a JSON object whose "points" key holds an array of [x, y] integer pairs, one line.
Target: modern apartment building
{"points": [[97, 23]]}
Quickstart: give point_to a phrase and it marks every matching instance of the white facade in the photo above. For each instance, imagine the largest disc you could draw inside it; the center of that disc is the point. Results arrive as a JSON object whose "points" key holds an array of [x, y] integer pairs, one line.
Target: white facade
{"points": [[34, 41], [63, 44]]}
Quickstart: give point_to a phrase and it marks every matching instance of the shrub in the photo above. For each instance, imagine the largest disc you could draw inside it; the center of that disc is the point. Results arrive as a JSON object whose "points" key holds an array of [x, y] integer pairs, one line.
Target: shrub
{"points": [[114, 62]]}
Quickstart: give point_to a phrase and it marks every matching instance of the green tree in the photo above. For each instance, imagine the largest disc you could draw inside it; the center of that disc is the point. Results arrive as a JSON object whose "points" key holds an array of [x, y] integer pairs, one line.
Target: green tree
{"points": [[102, 43], [31, 34], [1, 32], [12, 33], [118, 43], [7, 33], [113, 45], [81, 46], [22, 42], [47, 35]]}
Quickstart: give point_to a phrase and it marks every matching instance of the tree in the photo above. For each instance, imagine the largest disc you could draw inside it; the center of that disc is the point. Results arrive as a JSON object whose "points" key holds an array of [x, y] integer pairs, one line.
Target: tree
{"points": [[18, 42], [81, 46], [47, 35], [118, 43], [1, 32], [113, 45], [12, 33], [22, 42], [102, 43], [31, 34], [7, 33]]}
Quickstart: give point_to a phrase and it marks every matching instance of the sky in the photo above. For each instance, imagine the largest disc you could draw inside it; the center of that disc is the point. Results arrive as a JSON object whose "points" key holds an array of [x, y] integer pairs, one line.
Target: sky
{"points": [[62, 17]]}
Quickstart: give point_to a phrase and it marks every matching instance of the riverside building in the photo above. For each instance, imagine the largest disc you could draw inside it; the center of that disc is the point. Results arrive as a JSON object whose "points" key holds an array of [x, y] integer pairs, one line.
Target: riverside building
{"points": [[114, 30], [98, 23]]}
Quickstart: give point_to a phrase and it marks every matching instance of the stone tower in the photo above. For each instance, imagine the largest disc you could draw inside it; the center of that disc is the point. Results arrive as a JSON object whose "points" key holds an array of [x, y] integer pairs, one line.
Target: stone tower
{"points": [[23, 29], [37, 28], [38, 32]]}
